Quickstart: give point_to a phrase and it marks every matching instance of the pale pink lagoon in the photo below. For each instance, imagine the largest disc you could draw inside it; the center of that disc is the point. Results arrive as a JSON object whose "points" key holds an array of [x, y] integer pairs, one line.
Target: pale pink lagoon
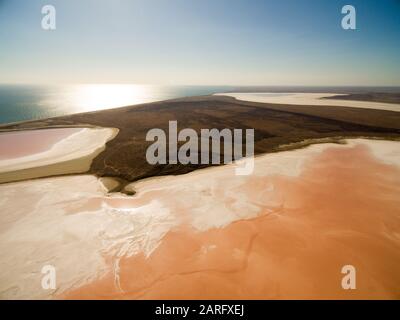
{"points": [[24, 143], [40, 153]]}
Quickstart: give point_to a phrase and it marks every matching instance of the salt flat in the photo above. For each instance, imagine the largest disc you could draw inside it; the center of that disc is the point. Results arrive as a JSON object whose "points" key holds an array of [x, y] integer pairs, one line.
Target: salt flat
{"points": [[300, 204], [315, 99]]}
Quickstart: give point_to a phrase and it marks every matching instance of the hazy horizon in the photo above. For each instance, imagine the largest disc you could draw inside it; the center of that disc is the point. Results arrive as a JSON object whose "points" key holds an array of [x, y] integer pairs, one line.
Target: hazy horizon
{"points": [[210, 43], [254, 86]]}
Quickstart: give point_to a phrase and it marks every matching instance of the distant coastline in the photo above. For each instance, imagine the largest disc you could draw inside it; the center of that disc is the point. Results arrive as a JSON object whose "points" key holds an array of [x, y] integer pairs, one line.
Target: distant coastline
{"points": [[35, 102], [277, 127]]}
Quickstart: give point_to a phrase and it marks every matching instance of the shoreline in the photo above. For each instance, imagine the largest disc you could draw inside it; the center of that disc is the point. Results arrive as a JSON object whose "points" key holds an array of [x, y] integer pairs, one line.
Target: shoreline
{"points": [[373, 95], [232, 252], [320, 99], [277, 128], [219, 204], [70, 155], [130, 222], [118, 185]]}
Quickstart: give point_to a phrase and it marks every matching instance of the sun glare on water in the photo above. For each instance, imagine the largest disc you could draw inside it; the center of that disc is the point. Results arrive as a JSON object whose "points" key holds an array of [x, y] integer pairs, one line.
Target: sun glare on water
{"points": [[90, 97]]}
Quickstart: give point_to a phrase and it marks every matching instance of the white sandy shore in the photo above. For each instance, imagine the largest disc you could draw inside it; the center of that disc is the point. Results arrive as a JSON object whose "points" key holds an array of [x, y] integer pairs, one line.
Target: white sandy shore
{"points": [[72, 154], [315, 99], [75, 227]]}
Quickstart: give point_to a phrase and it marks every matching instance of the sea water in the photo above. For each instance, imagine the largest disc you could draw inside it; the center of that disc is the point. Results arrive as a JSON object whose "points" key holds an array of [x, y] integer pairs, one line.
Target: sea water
{"points": [[31, 102]]}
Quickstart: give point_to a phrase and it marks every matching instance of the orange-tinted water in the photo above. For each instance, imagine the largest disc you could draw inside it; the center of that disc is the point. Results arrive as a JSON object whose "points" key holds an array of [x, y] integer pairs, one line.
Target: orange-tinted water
{"points": [[344, 209]]}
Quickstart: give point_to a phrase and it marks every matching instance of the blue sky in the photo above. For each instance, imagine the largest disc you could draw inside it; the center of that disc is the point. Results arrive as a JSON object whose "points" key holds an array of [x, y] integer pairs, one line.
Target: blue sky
{"points": [[210, 42]]}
